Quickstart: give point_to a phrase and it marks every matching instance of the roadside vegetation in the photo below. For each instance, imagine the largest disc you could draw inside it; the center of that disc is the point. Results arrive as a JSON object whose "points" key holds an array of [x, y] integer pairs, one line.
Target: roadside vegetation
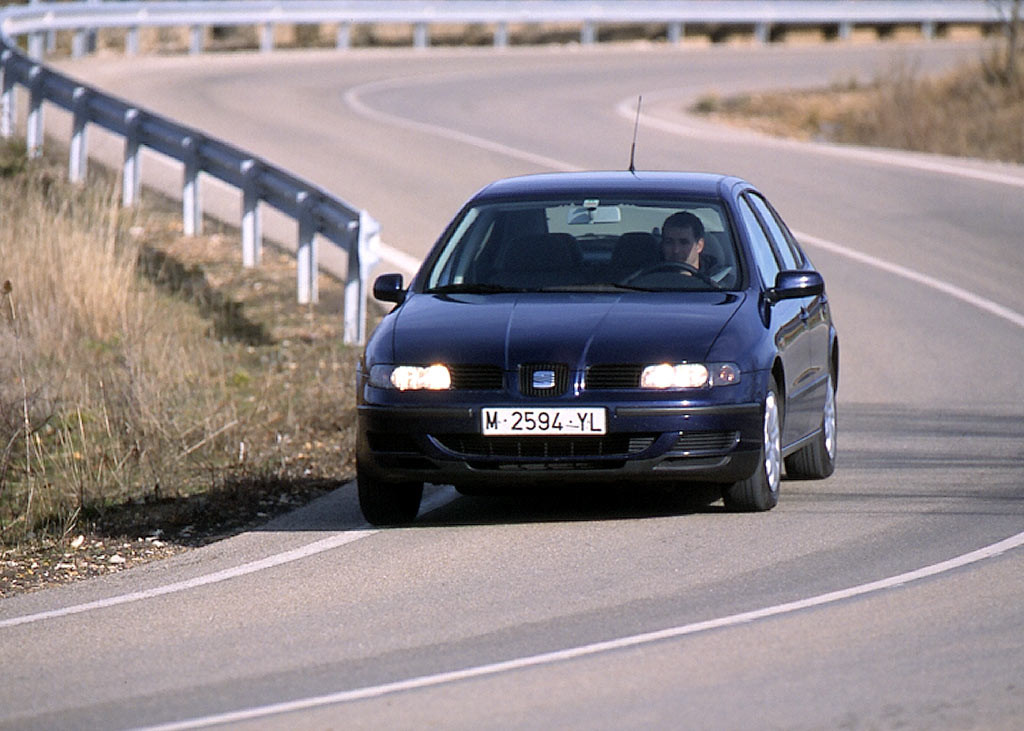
{"points": [[976, 111], [153, 393]]}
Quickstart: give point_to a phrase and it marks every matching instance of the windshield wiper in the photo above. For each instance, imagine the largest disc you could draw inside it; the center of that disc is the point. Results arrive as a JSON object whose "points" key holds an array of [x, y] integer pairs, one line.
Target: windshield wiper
{"points": [[474, 288]]}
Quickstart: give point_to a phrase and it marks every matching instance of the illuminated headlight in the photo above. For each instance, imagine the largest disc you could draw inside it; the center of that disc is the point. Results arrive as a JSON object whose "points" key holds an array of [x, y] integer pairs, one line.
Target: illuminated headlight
{"points": [[689, 375], [411, 378]]}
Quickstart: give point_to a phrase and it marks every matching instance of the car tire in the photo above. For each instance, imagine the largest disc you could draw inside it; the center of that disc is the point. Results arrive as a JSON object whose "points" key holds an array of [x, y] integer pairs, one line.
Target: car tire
{"points": [[817, 460], [760, 491], [388, 503]]}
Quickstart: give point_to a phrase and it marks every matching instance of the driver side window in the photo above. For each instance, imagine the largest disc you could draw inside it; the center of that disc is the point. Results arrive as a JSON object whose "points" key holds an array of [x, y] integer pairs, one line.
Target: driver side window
{"points": [[764, 255]]}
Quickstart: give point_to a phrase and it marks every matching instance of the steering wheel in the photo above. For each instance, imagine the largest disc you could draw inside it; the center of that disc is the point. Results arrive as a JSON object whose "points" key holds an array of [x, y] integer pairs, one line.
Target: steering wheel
{"points": [[672, 266]]}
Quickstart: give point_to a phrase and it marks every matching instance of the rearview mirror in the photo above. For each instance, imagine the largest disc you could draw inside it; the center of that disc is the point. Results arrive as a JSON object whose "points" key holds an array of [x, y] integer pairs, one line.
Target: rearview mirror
{"points": [[389, 288], [792, 284], [594, 214]]}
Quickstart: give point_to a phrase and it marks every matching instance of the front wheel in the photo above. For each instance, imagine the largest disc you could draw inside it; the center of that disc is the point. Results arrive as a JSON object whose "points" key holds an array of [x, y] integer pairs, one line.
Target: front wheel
{"points": [[388, 503], [817, 460], [760, 491]]}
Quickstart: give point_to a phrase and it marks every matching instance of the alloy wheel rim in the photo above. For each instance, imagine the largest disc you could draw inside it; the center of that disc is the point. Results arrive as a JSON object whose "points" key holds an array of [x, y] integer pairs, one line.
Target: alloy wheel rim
{"points": [[772, 443], [830, 420]]}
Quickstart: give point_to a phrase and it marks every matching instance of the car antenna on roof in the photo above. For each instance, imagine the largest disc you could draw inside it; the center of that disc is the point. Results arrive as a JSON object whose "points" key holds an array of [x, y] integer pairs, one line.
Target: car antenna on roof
{"points": [[636, 127]]}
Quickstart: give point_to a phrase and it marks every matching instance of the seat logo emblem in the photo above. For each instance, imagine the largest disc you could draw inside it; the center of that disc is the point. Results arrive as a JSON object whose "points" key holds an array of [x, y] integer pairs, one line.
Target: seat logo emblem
{"points": [[543, 379]]}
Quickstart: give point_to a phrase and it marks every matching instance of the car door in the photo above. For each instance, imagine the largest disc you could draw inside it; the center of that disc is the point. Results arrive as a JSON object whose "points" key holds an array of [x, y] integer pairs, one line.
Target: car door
{"points": [[818, 319], [786, 320]]}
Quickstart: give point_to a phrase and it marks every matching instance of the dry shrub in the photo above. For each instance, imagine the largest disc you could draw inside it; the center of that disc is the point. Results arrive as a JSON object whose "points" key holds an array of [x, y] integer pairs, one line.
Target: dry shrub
{"points": [[969, 112], [965, 113], [92, 363], [138, 365]]}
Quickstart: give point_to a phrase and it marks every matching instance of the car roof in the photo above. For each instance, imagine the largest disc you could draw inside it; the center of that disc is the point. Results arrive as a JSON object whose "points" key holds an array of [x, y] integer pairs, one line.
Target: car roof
{"points": [[606, 183]]}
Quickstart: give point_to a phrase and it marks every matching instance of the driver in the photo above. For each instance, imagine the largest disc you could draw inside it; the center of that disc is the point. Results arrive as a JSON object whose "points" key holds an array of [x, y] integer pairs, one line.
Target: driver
{"points": [[682, 239]]}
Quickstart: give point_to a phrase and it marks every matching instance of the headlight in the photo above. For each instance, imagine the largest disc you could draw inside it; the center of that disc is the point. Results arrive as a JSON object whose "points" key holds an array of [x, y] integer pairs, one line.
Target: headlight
{"points": [[411, 378], [689, 375]]}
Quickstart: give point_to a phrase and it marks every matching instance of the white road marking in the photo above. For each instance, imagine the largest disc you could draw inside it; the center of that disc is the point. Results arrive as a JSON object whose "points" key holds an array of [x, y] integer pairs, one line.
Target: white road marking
{"points": [[548, 658], [399, 259], [952, 290], [431, 502], [887, 157], [352, 99]]}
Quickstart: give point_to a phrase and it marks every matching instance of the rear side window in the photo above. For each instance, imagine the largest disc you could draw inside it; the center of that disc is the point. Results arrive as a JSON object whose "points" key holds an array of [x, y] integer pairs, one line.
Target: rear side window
{"points": [[764, 255]]}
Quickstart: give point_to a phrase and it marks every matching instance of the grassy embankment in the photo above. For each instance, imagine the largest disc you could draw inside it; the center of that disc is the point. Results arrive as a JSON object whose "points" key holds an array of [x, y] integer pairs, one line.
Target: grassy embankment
{"points": [[145, 376], [976, 111]]}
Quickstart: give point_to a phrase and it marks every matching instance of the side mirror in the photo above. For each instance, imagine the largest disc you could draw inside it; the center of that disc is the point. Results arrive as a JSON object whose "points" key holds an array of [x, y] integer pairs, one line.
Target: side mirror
{"points": [[389, 288], [793, 284]]}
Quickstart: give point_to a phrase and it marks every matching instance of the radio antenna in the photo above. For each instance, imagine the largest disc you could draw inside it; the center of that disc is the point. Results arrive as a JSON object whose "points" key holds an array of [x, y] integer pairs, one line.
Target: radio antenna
{"points": [[636, 127]]}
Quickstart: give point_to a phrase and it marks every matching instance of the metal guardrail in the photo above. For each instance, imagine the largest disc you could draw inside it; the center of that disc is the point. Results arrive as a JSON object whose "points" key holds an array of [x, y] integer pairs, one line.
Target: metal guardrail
{"points": [[844, 15], [316, 210]]}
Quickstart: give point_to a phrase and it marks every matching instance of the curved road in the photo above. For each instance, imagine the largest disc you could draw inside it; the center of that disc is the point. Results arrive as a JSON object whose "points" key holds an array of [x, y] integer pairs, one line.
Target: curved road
{"points": [[890, 595]]}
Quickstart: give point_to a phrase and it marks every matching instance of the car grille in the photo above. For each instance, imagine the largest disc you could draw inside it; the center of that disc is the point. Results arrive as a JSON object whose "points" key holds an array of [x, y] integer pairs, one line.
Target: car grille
{"points": [[476, 377], [475, 445], [704, 442], [527, 371], [615, 375]]}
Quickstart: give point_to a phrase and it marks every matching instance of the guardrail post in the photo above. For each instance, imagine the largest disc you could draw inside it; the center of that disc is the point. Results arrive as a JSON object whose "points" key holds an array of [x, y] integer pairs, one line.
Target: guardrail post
{"points": [[305, 256], [421, 35], [675, 33], [191, 205], [252, 236], [78, 41], [588, 34], [131, 41], [343, 39], [928, 30], [362, 257], [78, 156], [762, 32], [195, 45], [6, 97], [845, 30], [34, 122], [36, 45], [266, 37], [501, 35], [131, 177], [51, 36], [91, 34]]}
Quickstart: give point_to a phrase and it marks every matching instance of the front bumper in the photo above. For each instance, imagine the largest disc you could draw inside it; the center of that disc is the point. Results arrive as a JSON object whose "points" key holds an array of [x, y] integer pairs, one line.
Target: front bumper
{"points": [[645, 442]]}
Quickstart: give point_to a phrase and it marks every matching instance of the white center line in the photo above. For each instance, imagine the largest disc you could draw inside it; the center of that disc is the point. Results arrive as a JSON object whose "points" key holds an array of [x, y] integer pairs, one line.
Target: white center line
{"points": [[548, 658], [430, 503]]}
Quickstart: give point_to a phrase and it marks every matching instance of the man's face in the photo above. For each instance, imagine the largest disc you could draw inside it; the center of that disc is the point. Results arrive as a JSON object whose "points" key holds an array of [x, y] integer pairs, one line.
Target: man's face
{"points": [[679, 245]]}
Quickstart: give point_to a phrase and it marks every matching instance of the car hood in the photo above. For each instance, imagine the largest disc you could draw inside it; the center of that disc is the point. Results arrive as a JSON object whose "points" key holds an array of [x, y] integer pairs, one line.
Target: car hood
{"points": [[576, 329]]}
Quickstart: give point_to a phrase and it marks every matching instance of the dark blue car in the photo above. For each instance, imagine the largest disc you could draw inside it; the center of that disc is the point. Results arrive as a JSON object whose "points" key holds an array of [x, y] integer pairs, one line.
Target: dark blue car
{"points": [[614, 327]]}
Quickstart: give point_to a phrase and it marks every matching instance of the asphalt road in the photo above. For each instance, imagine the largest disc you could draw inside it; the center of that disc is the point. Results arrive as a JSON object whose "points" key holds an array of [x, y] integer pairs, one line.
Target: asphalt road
{"points": [[890, 595]]}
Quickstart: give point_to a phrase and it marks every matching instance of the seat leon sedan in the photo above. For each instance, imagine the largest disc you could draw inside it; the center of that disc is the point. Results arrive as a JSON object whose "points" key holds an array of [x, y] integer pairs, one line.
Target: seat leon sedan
{"points": [[601, 328]]}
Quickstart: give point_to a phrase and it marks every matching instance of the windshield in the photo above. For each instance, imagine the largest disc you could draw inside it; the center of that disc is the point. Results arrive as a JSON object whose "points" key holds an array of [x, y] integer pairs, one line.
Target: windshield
{"points": [[587, 245]]}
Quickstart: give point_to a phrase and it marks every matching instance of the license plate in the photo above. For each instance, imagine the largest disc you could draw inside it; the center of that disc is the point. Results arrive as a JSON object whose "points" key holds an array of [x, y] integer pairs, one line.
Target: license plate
{"points": [[548, 421]]}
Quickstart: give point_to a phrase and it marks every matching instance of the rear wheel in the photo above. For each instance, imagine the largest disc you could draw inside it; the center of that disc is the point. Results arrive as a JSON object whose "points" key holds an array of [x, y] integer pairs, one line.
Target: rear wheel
{"points": [[817, 460], [388, 503], [760, 491]]}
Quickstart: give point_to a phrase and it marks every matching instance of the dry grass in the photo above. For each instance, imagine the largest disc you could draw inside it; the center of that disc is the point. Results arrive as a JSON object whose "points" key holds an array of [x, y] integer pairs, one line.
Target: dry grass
{"points": [[971, 112], [138, 366]]}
